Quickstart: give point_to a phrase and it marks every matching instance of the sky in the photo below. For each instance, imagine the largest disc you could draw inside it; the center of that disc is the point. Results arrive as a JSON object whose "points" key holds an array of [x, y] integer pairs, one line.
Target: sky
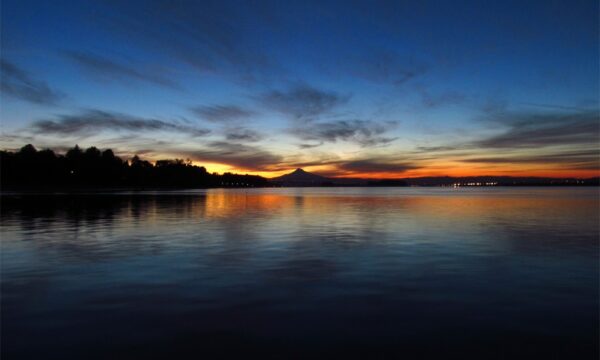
{"points": [[380, 89]]}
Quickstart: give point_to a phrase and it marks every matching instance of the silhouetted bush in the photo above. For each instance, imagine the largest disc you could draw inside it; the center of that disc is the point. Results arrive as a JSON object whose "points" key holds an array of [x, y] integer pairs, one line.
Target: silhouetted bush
{"points": [[92, 168]]}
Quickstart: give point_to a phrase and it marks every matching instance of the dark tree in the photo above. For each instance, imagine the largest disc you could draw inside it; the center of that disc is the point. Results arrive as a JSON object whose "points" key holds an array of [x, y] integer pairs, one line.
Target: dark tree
{"points": [[92, 168]]}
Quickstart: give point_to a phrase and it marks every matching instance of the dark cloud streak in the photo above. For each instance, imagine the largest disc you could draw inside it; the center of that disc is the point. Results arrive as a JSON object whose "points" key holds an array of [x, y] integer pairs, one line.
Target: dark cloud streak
{"points": [[19, 84], [430, 100], [92, 121], [580, 160], [376, 166], [240, 134], [210, 36], [547, 129], [303, 102], [383, 66], [221, 113], [104, 67], [365, 133]]}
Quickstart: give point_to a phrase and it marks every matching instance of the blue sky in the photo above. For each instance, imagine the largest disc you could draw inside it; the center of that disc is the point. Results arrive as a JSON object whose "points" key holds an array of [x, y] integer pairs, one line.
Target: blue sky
{"points": [[348, 88]]}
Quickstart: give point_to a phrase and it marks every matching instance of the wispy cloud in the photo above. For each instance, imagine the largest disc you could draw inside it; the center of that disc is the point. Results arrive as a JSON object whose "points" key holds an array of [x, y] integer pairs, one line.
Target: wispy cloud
{"points": [[532, 130], [303, 102], [365, 133], [555, 107], [310, 146], [376, 166], [109, 69], [442, 148], [241, 134], [93, 121], [433, 100], [210, 36], [362, 166], [222, 113], [384, 66], [580, 160], [566, 138], [15, 82]]}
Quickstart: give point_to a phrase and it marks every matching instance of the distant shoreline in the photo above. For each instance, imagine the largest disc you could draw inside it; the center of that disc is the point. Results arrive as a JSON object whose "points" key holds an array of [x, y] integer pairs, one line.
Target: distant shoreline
{"points": [[92, 170], [100, 190]]}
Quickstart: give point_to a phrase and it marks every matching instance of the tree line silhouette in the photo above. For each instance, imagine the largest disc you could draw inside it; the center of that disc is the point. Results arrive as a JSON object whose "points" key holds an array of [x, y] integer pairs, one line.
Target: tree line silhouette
{"points": [[89, 168]]}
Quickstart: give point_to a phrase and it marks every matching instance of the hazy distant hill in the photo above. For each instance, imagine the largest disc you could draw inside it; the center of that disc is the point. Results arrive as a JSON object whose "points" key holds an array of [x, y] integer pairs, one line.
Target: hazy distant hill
{"points": [[300, 178]]}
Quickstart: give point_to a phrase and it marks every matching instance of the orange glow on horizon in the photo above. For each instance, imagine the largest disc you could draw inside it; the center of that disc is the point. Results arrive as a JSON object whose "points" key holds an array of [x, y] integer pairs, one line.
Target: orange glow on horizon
{"points": [[433, 170], [223, 168], [557, 173], [439, 168]]}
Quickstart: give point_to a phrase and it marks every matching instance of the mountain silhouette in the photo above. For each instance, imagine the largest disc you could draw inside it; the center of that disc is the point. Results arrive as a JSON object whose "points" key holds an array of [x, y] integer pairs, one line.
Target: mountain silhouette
{"points": [[299, 177]]}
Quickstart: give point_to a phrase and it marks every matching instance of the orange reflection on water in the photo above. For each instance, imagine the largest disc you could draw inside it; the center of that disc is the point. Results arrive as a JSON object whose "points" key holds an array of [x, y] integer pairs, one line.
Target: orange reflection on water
{"points": [[451, 205], [223, 203]]}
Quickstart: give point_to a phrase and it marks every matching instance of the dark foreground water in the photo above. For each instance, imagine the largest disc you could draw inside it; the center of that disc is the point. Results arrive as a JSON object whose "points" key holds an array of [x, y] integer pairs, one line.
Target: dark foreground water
{"points": [[302, 273]]}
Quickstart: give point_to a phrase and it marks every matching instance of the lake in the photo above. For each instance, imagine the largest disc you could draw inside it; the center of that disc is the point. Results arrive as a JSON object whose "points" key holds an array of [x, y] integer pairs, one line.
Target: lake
{"points": [[302, 273]]}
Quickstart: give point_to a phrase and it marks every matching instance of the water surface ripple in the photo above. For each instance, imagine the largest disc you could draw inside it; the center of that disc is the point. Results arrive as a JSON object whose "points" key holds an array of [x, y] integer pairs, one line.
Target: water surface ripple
{"points": [[313, 272]]}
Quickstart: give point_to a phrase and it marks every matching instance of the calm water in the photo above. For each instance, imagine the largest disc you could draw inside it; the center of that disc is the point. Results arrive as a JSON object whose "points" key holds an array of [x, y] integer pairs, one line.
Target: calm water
{"points": [[497, 272]]}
